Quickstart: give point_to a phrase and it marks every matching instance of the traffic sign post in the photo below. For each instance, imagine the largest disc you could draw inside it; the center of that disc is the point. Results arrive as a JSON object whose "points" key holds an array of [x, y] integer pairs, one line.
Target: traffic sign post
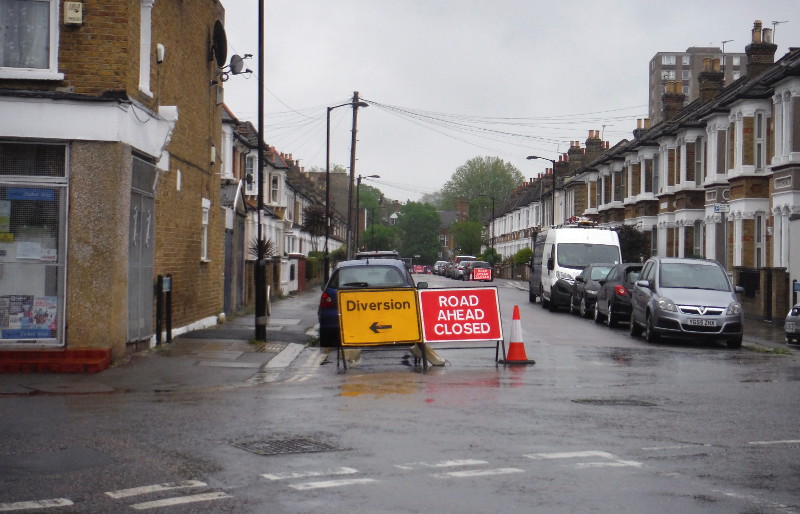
{"points": [[462, 314], [372, 317]]}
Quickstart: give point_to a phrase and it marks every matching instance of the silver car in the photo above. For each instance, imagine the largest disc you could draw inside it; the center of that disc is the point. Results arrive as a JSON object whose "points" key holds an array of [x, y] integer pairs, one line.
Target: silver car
{"points": [[792, 325], [688, 299]]}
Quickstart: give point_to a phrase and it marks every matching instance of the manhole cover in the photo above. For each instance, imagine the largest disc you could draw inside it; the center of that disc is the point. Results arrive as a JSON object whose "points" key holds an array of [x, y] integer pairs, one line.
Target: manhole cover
{"points": [[615, 402], [282, 446]]}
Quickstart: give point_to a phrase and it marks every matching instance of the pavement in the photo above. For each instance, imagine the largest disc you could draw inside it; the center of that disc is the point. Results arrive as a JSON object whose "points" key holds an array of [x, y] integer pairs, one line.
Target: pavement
{"points": [[226, 356]]}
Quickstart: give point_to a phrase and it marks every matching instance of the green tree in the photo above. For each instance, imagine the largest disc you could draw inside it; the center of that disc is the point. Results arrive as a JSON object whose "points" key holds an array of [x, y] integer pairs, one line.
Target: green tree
{"points": [[472, 181], [379, 237], [467, 236], [523, 256], [418, 225], [490, 255], [314, 222], [634, 244]]}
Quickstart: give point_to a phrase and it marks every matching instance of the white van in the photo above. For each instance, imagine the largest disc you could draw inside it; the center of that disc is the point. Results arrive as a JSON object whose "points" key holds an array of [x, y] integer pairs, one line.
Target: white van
{"points": [[560, 254]]}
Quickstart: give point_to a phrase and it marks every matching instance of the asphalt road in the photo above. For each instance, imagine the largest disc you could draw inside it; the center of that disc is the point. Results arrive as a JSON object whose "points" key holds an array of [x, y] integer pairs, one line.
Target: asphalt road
{"points": [[601, 423]]}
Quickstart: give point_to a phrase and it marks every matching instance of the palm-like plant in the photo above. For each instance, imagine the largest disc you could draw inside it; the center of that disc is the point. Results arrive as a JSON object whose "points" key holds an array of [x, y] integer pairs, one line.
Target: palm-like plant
{"points": [[314, 219]]}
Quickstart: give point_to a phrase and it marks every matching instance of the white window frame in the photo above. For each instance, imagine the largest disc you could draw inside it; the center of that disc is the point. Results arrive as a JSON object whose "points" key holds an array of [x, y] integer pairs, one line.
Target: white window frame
{"points": [[668, 60], [760, 140], [145, 46], [686, 60], [51, 73], [249, 169], [274, 189], [206, 206], [758, 239]]}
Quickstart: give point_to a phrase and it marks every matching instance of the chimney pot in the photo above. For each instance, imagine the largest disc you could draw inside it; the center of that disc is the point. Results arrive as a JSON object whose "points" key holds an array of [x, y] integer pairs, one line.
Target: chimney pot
{"points": [[757, 31], [767, 35]]}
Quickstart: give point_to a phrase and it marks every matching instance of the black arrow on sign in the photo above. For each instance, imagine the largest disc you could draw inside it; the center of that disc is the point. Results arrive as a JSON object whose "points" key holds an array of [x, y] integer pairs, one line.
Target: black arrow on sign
{"points": [[375, 327]]}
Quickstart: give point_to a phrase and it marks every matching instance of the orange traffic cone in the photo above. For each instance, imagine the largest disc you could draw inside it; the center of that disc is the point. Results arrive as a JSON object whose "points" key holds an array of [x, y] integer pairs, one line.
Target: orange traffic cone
{"points": [[516, 348]]}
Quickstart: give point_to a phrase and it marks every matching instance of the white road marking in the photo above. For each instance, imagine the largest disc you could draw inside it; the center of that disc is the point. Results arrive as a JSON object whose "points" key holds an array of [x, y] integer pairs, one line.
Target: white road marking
{"points": [[308, 474], [676, 447], [180, 500], [442, 464], [38, 504], [286, 357], [786, 441], [759, 501], [331, 483], [147, 489], [308, 368], [613, 460], [478, 473]]}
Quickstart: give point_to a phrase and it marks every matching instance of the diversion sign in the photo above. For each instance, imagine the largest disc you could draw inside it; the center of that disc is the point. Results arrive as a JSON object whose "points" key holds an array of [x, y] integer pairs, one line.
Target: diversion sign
{"points": [[461, 314], [378, 317]]}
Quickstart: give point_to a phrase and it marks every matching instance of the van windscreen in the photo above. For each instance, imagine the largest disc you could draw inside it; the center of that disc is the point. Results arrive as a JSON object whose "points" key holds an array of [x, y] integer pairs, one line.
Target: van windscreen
{"points": [[580, 255]]}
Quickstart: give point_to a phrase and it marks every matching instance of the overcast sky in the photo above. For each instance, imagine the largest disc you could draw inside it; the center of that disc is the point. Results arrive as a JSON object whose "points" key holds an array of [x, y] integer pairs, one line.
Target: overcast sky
{"points": [[449, 80]]}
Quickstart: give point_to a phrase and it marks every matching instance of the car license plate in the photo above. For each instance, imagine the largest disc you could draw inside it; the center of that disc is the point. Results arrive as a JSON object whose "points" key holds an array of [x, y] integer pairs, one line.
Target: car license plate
{"points": [[789, 327], [700, 322]]}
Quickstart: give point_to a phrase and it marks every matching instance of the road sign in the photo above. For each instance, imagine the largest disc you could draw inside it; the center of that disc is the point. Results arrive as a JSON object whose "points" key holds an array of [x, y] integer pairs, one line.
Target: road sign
{"points": [[722, 207], [371, 317], [462, 314], [481, 274]]}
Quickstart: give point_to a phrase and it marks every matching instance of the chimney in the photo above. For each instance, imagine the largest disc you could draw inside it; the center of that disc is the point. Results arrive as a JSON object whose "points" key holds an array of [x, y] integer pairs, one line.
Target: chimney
{"points": [[594, 146], [672, 101], [639, 131], [760, 52], [711, 80]]}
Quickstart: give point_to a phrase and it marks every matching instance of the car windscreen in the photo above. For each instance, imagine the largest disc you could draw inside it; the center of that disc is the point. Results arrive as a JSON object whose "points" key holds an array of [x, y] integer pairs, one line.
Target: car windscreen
{"points": [[600, 272], [370, 276], [693, 276], [580, 255]]}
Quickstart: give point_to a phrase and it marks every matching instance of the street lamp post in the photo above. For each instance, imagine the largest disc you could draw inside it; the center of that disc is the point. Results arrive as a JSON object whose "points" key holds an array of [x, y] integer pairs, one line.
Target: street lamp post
{"points": [[553, 201], [358, 207], [355, 105]]}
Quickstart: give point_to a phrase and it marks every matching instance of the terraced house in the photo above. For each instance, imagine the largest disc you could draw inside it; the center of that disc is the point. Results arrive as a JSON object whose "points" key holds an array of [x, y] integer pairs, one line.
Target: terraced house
{"points": [[109, 175], [717, 178]]}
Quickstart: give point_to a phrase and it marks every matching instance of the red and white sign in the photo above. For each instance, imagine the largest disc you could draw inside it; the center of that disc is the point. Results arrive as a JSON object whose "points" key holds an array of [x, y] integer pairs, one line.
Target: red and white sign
{"points": [[482, 274], [462, 314]]}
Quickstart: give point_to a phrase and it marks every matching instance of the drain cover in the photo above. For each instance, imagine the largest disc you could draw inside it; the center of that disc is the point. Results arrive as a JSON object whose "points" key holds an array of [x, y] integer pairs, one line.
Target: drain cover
{"points": [[282, 446], [615, 402]]}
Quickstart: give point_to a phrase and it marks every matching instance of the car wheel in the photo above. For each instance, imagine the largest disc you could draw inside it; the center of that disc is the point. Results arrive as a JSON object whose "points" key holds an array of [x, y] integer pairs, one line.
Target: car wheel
{"points": [[649, 331], [598, 318], [572, 309], [735, 343], [611, 318], [552, 305], [583, 309], [635, 329]]}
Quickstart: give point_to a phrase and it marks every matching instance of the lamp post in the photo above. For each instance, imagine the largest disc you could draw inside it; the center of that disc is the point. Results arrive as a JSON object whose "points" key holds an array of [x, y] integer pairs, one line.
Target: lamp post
{"points": [[492, 236], [553, 202], [328, 179], [358, 207]]}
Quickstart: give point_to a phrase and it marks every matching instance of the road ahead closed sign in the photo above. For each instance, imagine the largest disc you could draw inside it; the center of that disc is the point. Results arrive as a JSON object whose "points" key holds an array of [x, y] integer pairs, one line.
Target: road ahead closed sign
{"points": [[376, 317], [463, 314]]}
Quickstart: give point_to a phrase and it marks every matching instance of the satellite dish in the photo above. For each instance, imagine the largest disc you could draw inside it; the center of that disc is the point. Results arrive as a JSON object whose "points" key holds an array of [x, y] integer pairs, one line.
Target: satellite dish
{"points": [[219, 45], [237, 64]]}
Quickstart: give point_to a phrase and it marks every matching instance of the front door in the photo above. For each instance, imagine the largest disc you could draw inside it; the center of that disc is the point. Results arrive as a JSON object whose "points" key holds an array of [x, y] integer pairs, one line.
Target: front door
{"points": [[140, 252]]}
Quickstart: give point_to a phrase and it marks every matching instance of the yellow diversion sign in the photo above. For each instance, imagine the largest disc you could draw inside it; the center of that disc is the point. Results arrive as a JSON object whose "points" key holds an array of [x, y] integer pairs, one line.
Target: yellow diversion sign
{"points": [[371, 317]]}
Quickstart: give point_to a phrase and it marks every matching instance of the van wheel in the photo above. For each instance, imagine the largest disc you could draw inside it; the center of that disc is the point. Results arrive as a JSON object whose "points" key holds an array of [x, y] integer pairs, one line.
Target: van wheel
{"points": [[735, 343], [635, 329], [545, 302], [649, 331], [531, 295]]}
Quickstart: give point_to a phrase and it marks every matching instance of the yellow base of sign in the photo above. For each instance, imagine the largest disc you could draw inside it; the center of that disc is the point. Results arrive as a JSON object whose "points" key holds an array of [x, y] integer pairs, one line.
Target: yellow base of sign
{"points": [[372, 317]]}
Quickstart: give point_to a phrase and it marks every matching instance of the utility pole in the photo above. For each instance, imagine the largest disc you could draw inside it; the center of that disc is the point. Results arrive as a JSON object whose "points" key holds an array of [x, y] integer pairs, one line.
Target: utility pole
{"points": [[350, 222], [259, 273]]}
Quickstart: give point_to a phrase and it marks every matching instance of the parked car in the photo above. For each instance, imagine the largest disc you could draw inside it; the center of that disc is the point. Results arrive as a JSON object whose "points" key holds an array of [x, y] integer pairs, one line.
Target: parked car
{"points": [[614, 297], [358, 274], [792, 325], [686, 298], [470, 267], [438, 267], [461, 270], [584, 289]]}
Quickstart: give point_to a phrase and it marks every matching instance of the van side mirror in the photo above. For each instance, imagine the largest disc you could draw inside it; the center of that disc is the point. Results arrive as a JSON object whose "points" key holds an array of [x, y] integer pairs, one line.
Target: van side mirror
{"points": [[738, 290], [550, 264]]}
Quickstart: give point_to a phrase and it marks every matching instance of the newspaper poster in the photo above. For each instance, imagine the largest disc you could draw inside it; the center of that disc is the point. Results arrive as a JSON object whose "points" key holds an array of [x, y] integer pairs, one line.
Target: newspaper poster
{"points": [[28, 317]]}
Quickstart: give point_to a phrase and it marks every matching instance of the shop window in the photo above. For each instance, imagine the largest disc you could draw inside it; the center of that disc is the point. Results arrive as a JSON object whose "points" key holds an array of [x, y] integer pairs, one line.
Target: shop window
{"points": [[29, 39], [33, 192]]}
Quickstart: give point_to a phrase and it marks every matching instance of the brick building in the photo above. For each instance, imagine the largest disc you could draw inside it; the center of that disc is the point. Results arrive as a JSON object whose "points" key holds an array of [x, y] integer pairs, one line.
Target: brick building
{"points": [[109, 177]]}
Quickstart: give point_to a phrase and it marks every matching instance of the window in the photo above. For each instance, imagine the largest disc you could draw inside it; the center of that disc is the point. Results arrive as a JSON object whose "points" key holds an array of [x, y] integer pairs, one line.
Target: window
{"points": [[274, 191], [655, 174], [736, 60], [736, 75], [250, 179], [686, 60], [668, 75], [29, 39], [686, 74], [759, 240], [668, 60], [204, 230], [145, 36], [760, 141], [697, 249]]}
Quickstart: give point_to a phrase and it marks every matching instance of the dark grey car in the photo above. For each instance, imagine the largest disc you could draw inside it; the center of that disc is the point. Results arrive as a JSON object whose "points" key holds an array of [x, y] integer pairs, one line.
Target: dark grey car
{"points": [[688, 299]]}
